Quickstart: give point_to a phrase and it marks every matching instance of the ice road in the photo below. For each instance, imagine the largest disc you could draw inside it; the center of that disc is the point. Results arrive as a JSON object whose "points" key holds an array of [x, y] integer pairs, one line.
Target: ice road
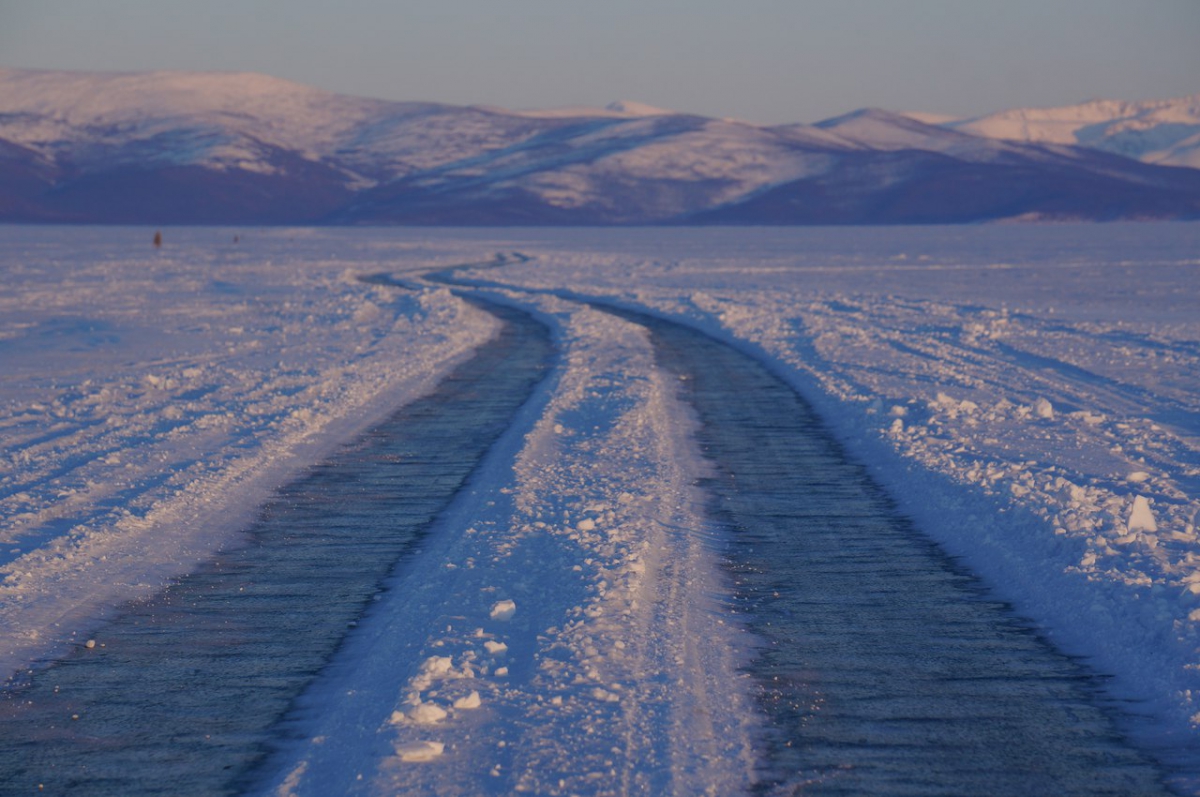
{"points": [[573, 621]]}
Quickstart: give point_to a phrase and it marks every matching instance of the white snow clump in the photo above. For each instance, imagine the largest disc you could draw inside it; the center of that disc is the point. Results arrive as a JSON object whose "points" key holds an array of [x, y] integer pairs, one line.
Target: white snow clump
{"points": [[503, 610]]}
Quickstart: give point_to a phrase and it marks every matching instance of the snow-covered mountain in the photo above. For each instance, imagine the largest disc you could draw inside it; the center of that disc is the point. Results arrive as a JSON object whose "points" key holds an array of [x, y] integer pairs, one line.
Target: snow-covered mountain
{"points": [[180, 147], [1158, 131]]}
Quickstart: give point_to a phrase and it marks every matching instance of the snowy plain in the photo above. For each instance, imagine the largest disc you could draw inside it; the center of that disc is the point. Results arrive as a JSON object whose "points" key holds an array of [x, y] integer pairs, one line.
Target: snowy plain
{"points": [[1030, 395]]}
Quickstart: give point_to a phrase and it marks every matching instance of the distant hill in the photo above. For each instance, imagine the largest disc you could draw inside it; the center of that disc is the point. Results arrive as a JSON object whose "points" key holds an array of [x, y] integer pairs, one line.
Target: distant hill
{"points": [[233, 148], [1166, 132]]}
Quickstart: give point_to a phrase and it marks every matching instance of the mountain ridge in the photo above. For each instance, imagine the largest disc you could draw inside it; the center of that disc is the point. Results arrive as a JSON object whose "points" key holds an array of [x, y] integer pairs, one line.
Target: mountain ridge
{"points": [[243, 148]]}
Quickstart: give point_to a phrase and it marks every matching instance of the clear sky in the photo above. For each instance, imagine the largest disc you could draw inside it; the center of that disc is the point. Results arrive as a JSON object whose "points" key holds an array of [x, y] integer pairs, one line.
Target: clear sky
{"points": [[759, 60]]}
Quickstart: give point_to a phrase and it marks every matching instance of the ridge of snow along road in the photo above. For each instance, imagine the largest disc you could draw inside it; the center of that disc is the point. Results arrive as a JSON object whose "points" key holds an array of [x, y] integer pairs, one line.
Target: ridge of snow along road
{"points": [[559, 633]]}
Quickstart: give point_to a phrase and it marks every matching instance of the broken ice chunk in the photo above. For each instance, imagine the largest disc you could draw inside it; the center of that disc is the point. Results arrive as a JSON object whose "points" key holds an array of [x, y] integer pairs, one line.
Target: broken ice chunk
{"points": [[1141, 517], [427, 714], [419, 751], [470, 701]]}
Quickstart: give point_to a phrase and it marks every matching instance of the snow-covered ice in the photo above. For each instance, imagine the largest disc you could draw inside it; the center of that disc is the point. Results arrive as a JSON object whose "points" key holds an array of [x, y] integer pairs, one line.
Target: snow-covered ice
{"points": [[1029, 395], [151, 400]]}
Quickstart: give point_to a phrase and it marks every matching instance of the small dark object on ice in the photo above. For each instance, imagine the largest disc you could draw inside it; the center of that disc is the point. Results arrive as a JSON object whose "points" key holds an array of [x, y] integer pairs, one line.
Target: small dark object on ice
{"points": [[157, 239]]}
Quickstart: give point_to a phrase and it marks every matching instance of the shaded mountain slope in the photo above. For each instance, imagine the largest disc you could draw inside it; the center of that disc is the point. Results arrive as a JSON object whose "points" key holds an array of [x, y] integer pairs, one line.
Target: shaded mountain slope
{"points": [[233, 148]]}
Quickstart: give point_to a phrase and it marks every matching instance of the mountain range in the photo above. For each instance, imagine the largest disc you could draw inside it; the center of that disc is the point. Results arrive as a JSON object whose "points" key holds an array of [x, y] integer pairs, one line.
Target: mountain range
{"points": [[237, 148]]}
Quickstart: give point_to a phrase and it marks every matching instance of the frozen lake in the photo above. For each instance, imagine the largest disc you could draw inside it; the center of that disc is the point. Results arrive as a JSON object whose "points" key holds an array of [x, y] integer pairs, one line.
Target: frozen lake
{"points": [[1026, 396]]}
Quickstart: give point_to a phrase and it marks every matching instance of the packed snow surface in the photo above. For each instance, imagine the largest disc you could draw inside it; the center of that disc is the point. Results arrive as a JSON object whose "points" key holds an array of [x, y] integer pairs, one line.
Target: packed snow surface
{"points": [[1030, 396]]}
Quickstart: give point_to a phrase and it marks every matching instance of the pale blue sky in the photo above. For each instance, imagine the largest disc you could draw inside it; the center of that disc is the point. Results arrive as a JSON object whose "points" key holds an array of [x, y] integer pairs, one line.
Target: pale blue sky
{"points": [[760, 60]]}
